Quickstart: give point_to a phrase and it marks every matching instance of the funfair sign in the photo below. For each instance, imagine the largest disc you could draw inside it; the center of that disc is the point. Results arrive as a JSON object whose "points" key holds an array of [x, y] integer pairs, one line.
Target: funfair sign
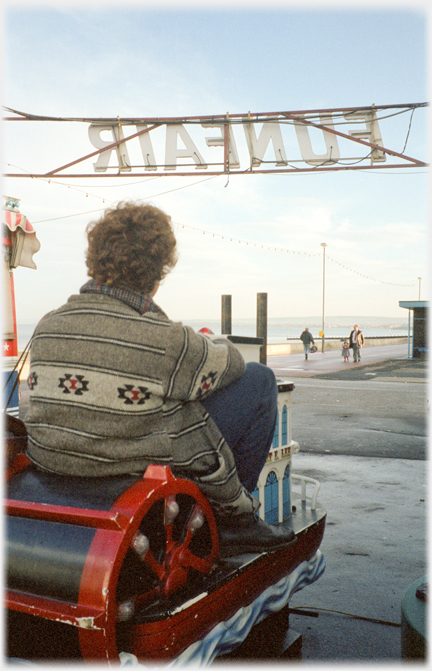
{"points": [[308, 140]]}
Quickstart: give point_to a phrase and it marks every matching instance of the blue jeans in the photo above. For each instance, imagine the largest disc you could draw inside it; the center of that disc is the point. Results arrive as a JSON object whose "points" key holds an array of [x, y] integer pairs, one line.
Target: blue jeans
{"points": [[245, 413]]}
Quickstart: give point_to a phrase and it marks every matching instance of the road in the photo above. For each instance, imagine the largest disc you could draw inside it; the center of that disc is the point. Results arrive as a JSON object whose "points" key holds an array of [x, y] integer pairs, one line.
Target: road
{"points": [[377, 408]]}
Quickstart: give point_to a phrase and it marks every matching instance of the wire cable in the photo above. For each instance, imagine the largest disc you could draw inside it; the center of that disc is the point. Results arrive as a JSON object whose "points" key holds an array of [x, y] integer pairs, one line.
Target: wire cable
{"points": [[374, 620], [78, 214]]}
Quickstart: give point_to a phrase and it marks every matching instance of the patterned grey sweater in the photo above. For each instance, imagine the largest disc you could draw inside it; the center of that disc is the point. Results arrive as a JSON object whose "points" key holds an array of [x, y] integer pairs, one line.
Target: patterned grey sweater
{"points": [[113, 390]]}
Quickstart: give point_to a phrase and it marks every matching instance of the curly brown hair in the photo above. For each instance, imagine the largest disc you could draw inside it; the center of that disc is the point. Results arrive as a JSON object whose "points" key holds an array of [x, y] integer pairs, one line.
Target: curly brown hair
{"points": [[132, 246]]}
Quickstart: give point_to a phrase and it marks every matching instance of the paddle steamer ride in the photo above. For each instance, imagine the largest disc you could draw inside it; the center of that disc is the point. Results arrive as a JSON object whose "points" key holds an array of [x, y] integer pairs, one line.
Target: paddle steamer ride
{"points": [[127, 569]]}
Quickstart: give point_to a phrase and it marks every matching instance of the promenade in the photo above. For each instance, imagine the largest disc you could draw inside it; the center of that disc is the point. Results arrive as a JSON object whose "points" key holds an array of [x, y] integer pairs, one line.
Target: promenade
{"points": [[331, 361], [362, 433]]}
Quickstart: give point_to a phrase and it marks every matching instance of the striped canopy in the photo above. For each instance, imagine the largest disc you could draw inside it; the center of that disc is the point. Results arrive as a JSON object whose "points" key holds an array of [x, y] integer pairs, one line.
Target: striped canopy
{"points": [[16, 221]]}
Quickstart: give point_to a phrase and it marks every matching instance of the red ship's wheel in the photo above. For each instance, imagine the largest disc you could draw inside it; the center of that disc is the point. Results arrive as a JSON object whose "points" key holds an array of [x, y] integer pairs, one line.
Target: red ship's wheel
{"points": [[175, 545]]}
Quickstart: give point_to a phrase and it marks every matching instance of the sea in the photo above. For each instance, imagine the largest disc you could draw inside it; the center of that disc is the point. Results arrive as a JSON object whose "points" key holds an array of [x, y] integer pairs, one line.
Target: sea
{"points": [[276, 333]]}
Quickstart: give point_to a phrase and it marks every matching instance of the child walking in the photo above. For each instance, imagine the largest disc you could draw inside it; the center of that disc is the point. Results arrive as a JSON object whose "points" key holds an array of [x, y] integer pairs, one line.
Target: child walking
{"points": [[345, 350]]}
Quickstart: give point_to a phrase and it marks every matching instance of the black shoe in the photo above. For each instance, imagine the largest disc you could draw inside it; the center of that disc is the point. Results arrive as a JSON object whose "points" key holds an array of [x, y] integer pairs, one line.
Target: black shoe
{"points": [[246, 533]]}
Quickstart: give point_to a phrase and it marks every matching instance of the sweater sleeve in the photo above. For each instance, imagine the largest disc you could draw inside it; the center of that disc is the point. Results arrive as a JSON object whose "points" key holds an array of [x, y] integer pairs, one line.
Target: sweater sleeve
{"points": [[199, 366]]}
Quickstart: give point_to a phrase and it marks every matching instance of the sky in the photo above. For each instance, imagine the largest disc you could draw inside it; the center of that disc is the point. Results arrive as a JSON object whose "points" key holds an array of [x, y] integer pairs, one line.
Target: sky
{"points": [[246, 234]]}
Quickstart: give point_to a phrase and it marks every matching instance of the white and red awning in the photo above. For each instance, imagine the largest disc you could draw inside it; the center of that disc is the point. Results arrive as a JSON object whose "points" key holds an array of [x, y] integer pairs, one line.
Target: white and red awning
{"points": [[15, 219], [31, 245]]}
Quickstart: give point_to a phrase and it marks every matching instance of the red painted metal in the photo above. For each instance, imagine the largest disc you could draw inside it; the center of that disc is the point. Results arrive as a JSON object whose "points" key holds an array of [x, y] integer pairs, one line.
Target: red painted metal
{"points": [[353, 139], [95, 614], [12, 349], [51, 609], [78, 516], [94, 617], [166, 639], [19, 464], [24, 116], [99, 151], [249, 171]]}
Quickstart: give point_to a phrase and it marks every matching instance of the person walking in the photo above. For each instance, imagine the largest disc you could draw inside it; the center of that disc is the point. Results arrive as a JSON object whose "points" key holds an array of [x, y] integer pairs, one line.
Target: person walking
{"points": [[356, 342], [307, 340]]}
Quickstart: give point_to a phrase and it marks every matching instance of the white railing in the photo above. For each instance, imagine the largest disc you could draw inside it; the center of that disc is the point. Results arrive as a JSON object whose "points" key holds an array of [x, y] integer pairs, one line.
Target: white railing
{"points": [[303, 479]]}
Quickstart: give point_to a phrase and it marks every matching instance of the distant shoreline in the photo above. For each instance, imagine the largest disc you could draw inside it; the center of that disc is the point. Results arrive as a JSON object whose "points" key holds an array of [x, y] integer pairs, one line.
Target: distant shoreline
{"points": [[277, 333]]}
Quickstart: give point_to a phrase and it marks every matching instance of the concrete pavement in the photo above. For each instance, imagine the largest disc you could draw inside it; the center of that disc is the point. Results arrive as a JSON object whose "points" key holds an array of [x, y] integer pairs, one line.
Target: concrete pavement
{"points": [[362, 434], [374, 546], [331, 362]]}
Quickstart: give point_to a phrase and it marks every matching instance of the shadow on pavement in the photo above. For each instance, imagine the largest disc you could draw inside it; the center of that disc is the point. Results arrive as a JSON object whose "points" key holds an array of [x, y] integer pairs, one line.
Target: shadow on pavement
{"points": [[414, 370]]}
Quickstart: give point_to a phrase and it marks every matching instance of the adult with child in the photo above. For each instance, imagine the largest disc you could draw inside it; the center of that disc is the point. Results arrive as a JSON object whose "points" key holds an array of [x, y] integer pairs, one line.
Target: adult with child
{"points": [[116, 385], [356, 342]]}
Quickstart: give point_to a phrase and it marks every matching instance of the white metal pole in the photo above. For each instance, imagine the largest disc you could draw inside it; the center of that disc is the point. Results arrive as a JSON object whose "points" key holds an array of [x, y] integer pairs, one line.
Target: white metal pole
{"points": [[323, 245], [409, 332]]}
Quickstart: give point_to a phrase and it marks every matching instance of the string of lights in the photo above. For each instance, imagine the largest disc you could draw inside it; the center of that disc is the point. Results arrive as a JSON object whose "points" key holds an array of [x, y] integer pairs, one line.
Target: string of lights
{"points": [[103, 199], [229, 238], [261, 245], [274, 248], [393, 284], [53, 181]]}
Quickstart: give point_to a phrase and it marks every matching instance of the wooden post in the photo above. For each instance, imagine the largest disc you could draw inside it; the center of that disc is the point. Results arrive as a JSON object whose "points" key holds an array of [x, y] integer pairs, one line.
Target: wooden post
{"points": [[226, 315], [261, 328]]}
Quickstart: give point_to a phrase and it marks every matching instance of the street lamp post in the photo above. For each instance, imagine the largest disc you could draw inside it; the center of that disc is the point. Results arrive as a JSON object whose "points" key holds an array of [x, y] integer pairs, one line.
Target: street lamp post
{"points": [[419, 279], [323, 245]]}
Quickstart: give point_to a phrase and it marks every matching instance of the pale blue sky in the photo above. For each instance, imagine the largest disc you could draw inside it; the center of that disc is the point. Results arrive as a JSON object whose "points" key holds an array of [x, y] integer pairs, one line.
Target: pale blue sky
{"points": [[143, 61]]}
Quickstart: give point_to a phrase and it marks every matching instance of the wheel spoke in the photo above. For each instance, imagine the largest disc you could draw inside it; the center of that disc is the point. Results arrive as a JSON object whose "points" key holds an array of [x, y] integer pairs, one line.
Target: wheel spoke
{"points": [[154, 565], [171, 546], [190, 560]]}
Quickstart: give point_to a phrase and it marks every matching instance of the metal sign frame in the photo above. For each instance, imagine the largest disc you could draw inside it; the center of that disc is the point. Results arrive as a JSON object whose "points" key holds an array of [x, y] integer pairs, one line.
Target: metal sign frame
{"points": [[374, 159]]}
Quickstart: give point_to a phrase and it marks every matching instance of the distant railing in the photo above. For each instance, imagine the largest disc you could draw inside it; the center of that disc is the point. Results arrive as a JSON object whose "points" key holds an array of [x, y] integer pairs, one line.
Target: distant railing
{"points": [[383, 337]]}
